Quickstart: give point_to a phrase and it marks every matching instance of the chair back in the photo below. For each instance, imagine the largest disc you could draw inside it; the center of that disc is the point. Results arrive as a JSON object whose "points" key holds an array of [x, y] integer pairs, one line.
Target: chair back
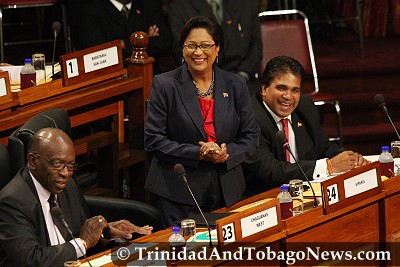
{"points": [[284, 34], [114, 209], [5, 173], [19, 139]]}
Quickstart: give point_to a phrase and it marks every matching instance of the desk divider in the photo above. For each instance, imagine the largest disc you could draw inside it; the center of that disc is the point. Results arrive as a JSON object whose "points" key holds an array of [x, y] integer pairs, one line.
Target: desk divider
{"points": [[5, 91], [351, 187], [92, 62], [249, 225]]}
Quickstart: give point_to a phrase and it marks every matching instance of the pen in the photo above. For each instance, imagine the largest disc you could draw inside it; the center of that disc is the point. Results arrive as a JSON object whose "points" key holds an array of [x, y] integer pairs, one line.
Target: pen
{"points": [[239, 27]]}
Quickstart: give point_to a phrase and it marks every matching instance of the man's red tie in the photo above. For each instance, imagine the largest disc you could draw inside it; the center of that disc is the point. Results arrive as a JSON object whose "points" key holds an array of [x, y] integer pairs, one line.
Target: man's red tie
{"points": [[285, 123]]}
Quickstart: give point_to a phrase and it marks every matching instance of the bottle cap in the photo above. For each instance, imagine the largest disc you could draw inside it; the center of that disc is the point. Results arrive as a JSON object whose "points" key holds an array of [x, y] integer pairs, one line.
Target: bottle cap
{"points": [[176, 229], [28, 61], [284, 187], [385, 149]]}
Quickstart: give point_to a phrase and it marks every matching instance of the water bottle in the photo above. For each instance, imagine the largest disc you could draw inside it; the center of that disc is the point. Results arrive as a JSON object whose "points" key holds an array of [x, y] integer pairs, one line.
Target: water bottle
{"points": [[28, 74], [286, 202], [386, 162], [176, 243]]}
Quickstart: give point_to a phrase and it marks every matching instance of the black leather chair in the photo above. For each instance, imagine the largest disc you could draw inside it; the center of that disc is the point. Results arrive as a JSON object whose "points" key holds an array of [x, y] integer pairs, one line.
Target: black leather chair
{"points": [[19, 139], [114, 209], [5, 174], [86, 175]]}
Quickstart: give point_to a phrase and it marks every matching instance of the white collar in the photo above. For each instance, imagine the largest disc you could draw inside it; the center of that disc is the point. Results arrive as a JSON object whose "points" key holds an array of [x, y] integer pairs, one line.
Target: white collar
{"points": [[42, 192], [276, 118], [119, 6]]}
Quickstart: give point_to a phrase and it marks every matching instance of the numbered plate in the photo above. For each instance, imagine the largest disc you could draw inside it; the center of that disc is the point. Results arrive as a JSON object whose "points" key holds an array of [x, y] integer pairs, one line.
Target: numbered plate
{"points": [[333, 194], [72, 68], [228, 233]]}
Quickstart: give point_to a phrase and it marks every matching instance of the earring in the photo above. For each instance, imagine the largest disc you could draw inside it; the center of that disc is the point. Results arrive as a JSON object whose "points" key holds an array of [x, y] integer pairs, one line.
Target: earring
{"points": [[216, 60], [183, 61]]}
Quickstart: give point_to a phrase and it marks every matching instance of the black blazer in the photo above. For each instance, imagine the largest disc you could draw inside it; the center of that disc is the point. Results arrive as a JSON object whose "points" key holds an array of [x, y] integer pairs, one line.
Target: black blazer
{"points": [[243, 48], [24, 239], [268, 163], [174, 126]]}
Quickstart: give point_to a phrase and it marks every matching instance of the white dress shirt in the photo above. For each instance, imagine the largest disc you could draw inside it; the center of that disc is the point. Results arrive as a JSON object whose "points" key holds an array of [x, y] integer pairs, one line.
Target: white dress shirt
{"points": [[54, 234]]}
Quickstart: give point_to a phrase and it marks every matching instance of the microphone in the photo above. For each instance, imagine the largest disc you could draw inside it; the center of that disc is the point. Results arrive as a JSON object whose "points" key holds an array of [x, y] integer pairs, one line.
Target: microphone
{"points": [[380, 101], [57, 213], [180, 172], [56, 27], [281, 137]]}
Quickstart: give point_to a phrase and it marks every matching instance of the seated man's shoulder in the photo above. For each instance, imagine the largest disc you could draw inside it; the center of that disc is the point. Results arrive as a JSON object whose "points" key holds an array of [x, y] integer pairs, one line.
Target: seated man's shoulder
{"points": [[17, 191]]}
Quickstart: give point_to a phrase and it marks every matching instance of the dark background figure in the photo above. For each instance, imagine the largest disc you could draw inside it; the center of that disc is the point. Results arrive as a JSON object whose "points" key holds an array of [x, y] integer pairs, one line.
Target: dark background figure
{"points": [[240, 24], [102, 21]]}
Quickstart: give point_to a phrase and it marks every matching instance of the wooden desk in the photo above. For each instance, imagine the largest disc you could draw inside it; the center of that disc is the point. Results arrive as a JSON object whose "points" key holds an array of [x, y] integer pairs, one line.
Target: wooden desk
{"points": [[389, 210], [358, 223], [92, 99]]}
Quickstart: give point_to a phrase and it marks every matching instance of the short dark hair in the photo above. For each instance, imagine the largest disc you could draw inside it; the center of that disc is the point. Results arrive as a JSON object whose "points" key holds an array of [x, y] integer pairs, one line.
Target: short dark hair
{"points": [[209, 24], [279, 65]]}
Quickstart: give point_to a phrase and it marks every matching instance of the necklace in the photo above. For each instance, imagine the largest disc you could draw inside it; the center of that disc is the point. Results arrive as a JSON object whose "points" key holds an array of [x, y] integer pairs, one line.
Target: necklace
{"points": [[210, 90]]}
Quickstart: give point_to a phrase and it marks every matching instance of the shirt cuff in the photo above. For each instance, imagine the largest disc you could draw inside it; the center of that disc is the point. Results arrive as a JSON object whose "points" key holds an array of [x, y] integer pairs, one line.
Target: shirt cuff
{"points": [[77, 243], [320, 170]]}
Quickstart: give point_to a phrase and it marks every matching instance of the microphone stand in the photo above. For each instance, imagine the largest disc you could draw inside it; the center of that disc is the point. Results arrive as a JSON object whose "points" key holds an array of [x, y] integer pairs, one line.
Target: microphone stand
{"points": [[59, 215], [390, 119], [287, 146], [198, 206]]}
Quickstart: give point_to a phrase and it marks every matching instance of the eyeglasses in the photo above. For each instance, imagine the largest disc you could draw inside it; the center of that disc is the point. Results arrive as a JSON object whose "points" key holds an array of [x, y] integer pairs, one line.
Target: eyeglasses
{"points": [[58, 165], [193, 47]]}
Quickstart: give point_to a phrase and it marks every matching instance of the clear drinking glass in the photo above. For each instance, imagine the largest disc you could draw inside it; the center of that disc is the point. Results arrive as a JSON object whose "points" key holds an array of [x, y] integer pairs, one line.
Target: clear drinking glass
{"points": [[395, 151], [188, 227], [296, 191], [39, 63]]}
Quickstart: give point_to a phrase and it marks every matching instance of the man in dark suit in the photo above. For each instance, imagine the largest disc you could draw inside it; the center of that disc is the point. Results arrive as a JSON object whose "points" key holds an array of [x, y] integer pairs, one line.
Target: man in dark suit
{"points": [[103, 21], [29, 236], [280, 98], [240, 24]]}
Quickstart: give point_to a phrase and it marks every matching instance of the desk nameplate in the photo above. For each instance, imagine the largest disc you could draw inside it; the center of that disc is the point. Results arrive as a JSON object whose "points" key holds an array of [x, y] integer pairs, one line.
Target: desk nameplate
{"points": [[91, 63], [351, 187], [249, 225]]}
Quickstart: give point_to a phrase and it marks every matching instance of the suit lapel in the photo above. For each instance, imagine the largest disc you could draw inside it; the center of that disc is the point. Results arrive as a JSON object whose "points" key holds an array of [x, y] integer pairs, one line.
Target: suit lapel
{"points": [[222, 97], [202, 8], [188, 95], [230, 20], [268, 126], [300, 133], [38, 207], [114, 13]]}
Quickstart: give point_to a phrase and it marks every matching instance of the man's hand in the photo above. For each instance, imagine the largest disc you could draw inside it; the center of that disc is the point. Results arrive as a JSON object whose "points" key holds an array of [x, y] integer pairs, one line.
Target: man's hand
{"points": [[91, 230], [144, 230], [361, 161], [347, 160], [124, 229]]}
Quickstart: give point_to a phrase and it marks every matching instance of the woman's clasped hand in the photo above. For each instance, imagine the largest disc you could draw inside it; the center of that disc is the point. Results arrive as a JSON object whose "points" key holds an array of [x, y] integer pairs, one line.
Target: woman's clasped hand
{"points": [[210, 151]]}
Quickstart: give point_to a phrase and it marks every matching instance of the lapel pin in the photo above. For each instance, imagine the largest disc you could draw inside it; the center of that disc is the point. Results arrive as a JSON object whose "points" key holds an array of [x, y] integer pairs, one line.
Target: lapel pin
{"points": [[299, 124], [138, 11], [225, 94]]}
